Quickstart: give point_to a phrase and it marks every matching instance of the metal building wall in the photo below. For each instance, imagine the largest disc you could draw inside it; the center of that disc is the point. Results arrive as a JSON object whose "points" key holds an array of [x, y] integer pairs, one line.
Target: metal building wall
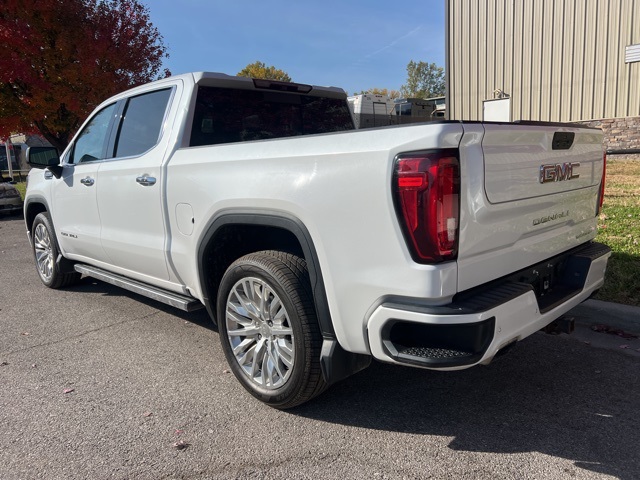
{"points": [[559, 60]]}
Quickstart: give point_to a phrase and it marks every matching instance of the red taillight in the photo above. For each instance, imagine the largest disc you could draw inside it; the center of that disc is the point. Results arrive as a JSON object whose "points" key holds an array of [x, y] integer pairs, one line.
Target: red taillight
{"points": [[427, 188], [601, 194]]}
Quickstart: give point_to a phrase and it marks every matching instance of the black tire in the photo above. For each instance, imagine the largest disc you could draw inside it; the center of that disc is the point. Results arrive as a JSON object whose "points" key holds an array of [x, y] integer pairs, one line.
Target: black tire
{"points": [[45, 253], [261, 337]]}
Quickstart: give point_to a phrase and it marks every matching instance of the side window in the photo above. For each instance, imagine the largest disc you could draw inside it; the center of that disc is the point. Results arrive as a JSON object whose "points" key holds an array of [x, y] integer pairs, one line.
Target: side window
{"points": [[91, 143], [142, 123]]}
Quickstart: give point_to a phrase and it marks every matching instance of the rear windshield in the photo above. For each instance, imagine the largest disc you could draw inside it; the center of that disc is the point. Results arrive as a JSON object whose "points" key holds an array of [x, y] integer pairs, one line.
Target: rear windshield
{"points": [[225, 115]]}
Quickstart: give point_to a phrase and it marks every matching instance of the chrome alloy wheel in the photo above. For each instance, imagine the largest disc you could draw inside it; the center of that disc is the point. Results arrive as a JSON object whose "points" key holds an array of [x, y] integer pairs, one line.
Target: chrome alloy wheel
{"points": [[44, 254], [260, 333]]}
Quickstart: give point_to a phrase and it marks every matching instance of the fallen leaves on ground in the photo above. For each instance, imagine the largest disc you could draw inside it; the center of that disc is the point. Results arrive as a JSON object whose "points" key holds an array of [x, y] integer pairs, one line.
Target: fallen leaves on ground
{"points": [[613, 331], [180, 445]]}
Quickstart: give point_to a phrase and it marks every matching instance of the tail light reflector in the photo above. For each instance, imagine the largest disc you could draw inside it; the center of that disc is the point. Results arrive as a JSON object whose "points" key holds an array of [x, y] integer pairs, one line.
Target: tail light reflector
{"points": [[427, 196]]}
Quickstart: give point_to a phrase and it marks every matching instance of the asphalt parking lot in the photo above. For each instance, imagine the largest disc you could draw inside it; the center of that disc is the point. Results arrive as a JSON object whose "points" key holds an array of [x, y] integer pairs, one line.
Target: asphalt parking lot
{"points": [[96, 382]]}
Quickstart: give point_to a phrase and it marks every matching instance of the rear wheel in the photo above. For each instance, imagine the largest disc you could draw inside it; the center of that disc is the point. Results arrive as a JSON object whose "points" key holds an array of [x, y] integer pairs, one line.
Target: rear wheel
{"points": [[46, 251], [269, 330]]}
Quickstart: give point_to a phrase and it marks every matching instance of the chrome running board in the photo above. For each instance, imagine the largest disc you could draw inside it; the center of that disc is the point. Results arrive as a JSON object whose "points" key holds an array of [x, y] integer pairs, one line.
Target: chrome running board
{"points": [[183, 302]]}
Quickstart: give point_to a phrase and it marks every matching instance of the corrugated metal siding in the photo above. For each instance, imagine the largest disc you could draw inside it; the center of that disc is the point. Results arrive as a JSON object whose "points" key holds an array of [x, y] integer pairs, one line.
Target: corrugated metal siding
{"points": [[559, 60]]}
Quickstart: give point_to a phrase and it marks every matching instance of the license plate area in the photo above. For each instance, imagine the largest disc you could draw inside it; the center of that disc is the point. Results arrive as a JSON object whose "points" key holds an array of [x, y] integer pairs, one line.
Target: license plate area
{"points": [[557, 279], [544, 277]]}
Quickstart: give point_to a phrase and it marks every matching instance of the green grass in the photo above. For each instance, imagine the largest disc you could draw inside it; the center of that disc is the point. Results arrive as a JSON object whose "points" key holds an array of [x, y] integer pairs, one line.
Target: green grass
{"points": [[619, 227], [22, 188]]}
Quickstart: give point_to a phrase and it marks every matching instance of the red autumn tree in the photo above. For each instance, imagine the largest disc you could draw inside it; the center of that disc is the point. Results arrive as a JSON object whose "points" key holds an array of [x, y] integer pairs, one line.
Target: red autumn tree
{"points": [[61, 58]]}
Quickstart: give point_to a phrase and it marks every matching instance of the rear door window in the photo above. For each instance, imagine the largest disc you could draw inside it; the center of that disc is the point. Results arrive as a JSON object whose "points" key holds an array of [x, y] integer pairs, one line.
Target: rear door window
{"points": [[141, 124]]}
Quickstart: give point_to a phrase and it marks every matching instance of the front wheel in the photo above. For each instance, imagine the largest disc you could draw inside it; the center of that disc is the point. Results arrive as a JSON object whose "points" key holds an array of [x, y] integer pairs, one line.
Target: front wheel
{"points": [[46, 251], [269, 330]]}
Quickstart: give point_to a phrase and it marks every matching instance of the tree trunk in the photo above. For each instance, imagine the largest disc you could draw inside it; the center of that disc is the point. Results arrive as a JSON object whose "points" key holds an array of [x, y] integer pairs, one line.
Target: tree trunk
{"points": [[59, 141]]}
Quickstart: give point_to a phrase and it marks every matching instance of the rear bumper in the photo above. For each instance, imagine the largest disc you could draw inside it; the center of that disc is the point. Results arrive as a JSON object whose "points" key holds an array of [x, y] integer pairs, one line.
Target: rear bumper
{"points": [[479, 323]]}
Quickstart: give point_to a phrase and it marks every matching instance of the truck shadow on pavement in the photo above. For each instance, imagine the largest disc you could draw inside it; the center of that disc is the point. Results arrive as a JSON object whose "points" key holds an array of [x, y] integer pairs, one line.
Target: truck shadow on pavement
{"points": [[552, 395], [92, 286]]}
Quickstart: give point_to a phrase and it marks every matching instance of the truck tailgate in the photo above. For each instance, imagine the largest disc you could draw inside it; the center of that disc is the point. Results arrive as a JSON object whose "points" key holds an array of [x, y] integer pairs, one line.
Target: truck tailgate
{"points": [[524, 161], [534, 195]]}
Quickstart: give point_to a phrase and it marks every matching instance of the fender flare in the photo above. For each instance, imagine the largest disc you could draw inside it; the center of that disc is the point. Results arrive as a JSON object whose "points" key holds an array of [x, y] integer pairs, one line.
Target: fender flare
{"points": [[27, 202], [284, 221]]}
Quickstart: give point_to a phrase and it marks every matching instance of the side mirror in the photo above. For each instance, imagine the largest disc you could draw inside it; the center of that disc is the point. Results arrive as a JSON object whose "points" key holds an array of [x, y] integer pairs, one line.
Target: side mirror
{"points": [[42, 157], [45, 157]]}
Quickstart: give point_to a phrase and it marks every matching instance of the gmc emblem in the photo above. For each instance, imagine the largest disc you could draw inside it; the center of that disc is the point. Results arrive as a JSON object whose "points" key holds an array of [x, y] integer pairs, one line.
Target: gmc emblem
{"points": [[558, 172]]}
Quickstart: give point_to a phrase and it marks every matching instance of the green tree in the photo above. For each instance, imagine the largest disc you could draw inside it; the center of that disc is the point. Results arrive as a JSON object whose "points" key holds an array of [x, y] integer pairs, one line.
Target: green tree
{"points": [[381, 91], [61, 58], [424, 80], [260, 70]]}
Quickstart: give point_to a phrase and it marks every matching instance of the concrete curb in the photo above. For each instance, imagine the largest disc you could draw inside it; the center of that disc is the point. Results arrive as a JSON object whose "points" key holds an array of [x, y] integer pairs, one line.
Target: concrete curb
{"points": [[597, 312]]}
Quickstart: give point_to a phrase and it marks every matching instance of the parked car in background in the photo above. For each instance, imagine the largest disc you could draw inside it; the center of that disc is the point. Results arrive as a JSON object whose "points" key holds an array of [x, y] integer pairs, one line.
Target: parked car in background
{"points": [[10, 199]]}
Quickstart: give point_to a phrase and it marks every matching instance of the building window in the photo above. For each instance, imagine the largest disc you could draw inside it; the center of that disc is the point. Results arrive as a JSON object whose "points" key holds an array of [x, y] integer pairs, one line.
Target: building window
{"points": [[632, 54]]}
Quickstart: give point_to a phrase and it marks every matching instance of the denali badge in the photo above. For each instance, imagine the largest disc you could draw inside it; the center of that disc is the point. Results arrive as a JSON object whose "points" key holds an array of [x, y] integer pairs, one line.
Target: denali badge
{"points": [[550, 218], [557, 172]]}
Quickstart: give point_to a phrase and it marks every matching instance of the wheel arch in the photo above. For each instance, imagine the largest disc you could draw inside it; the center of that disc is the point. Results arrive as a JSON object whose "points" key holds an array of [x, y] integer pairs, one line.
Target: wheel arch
{"points": [[32, 207], [219, 247]]}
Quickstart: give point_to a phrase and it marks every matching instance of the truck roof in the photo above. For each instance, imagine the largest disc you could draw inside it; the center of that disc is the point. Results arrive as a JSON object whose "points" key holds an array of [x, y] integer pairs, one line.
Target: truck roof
{"points": [[215, 79], [229, 81]]}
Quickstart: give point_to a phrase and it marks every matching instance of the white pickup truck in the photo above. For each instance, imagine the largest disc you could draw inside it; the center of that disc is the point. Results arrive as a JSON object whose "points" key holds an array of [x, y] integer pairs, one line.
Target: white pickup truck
{"points": [[316, 247]]}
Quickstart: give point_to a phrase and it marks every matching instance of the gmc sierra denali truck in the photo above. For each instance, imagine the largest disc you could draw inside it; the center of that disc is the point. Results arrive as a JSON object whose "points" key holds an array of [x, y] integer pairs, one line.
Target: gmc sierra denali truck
{"points": [[315, 247]]}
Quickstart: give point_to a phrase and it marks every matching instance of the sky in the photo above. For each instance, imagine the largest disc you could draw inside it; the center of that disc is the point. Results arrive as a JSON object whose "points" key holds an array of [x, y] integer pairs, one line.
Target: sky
{"points": [[355, 45]]}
